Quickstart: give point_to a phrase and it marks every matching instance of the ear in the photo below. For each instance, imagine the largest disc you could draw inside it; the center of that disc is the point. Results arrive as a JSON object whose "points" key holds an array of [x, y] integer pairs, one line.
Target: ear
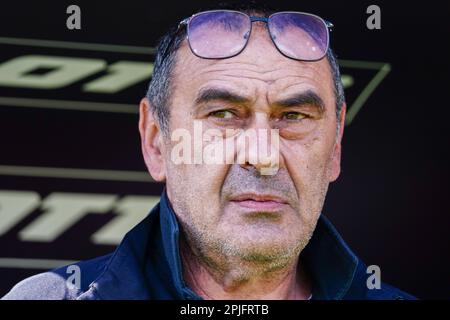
{"points": [[336, 157], [151, 142]]}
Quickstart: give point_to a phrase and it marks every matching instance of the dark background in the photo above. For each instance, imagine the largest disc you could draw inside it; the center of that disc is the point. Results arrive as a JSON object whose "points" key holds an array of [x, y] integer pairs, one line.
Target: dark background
{"points": [[390, 202]]}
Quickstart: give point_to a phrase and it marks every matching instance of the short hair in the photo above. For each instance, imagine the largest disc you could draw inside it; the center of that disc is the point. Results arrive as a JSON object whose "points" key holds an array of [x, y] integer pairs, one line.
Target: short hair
{"points": [[161, 85]]}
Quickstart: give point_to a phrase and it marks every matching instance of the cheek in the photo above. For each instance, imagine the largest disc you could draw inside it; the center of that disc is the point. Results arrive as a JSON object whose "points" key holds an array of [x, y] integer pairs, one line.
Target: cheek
{"points": [[192, 160], [199, 182], [308, 162]]}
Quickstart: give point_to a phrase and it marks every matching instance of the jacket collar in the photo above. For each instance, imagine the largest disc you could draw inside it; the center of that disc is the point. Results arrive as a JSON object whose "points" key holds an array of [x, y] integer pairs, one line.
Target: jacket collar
{"points": [[129, 273], [330, 262]]}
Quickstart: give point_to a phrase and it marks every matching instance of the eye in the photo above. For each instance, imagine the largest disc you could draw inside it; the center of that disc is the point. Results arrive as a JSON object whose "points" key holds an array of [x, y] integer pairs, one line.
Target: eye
{"points": [[222, 114], [293, 115]]}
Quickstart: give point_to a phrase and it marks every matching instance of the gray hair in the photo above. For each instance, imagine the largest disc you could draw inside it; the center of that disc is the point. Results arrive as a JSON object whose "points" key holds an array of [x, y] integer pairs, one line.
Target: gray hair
{"points": [[161, 85]]}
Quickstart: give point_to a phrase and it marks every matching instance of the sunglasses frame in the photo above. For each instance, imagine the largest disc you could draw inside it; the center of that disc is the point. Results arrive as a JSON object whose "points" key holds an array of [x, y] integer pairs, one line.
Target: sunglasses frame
{"points": [[327, 24]]}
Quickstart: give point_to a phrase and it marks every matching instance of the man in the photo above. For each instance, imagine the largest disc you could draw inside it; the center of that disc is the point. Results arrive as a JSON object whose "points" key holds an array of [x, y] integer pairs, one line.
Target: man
{"points": [[245, 223]]}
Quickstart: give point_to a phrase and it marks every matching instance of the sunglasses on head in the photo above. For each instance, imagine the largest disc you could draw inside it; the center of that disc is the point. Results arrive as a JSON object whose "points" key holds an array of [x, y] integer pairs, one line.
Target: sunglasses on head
{"points": [[220, 34]]}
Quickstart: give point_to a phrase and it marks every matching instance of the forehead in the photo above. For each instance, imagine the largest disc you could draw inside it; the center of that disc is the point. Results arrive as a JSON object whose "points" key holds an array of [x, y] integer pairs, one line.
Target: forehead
{"points": [[259, 69]]}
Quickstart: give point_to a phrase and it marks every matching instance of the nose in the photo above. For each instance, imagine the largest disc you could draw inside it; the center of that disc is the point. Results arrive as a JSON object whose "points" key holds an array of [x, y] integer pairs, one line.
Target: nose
{"points": [[258, 146]]}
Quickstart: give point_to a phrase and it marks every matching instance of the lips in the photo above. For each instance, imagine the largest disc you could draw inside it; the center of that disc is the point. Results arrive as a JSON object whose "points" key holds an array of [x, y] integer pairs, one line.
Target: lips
{"points": [[264, 202]]}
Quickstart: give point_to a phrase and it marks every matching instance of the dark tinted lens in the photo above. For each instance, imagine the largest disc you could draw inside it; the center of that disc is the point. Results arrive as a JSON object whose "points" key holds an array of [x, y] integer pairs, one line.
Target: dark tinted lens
{"points": [[218, 34], [299, 35]]}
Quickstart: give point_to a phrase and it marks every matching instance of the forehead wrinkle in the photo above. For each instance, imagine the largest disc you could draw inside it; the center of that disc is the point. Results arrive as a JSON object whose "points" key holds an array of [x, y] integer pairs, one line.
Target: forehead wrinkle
{"points": [[268, 77], [300, 79], [309, 75], [239, 67], [240, 77], [272, 72], [229, 72], [226, 74]]}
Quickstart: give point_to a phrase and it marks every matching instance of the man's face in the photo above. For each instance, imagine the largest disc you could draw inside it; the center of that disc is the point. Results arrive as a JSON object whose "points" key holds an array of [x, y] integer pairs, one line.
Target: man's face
{"points": [[232, 210]]}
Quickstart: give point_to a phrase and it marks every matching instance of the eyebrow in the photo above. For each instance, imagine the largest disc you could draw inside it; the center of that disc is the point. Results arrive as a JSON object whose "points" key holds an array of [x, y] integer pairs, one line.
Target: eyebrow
{"points": [[211, 94], [307, 97]]}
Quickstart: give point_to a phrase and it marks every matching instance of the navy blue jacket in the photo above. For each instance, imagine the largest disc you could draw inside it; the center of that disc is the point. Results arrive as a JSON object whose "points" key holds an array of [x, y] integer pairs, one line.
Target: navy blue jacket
{"points": [[147, 265]]}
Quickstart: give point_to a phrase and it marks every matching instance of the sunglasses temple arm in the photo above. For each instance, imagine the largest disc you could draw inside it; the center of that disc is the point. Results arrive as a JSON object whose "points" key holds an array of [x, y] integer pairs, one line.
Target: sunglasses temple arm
{"points": [[183, 22]]}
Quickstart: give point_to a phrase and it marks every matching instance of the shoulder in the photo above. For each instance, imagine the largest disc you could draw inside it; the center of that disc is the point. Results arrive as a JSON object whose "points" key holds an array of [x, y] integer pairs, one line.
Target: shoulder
{"points": [[43, 286], [65, 283]]}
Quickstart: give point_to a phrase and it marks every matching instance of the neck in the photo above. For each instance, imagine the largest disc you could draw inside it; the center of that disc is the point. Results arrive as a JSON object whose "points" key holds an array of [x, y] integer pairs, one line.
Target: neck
{"points": [[241, 280]]}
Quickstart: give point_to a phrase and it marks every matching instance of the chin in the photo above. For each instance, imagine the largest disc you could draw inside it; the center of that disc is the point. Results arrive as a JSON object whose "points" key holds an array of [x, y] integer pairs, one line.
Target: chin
{"points": [[265, 246]]}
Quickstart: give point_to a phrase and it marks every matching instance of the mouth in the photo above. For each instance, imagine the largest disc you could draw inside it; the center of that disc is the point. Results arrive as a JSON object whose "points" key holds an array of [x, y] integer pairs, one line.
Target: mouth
{"points": [[259, 202]]}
